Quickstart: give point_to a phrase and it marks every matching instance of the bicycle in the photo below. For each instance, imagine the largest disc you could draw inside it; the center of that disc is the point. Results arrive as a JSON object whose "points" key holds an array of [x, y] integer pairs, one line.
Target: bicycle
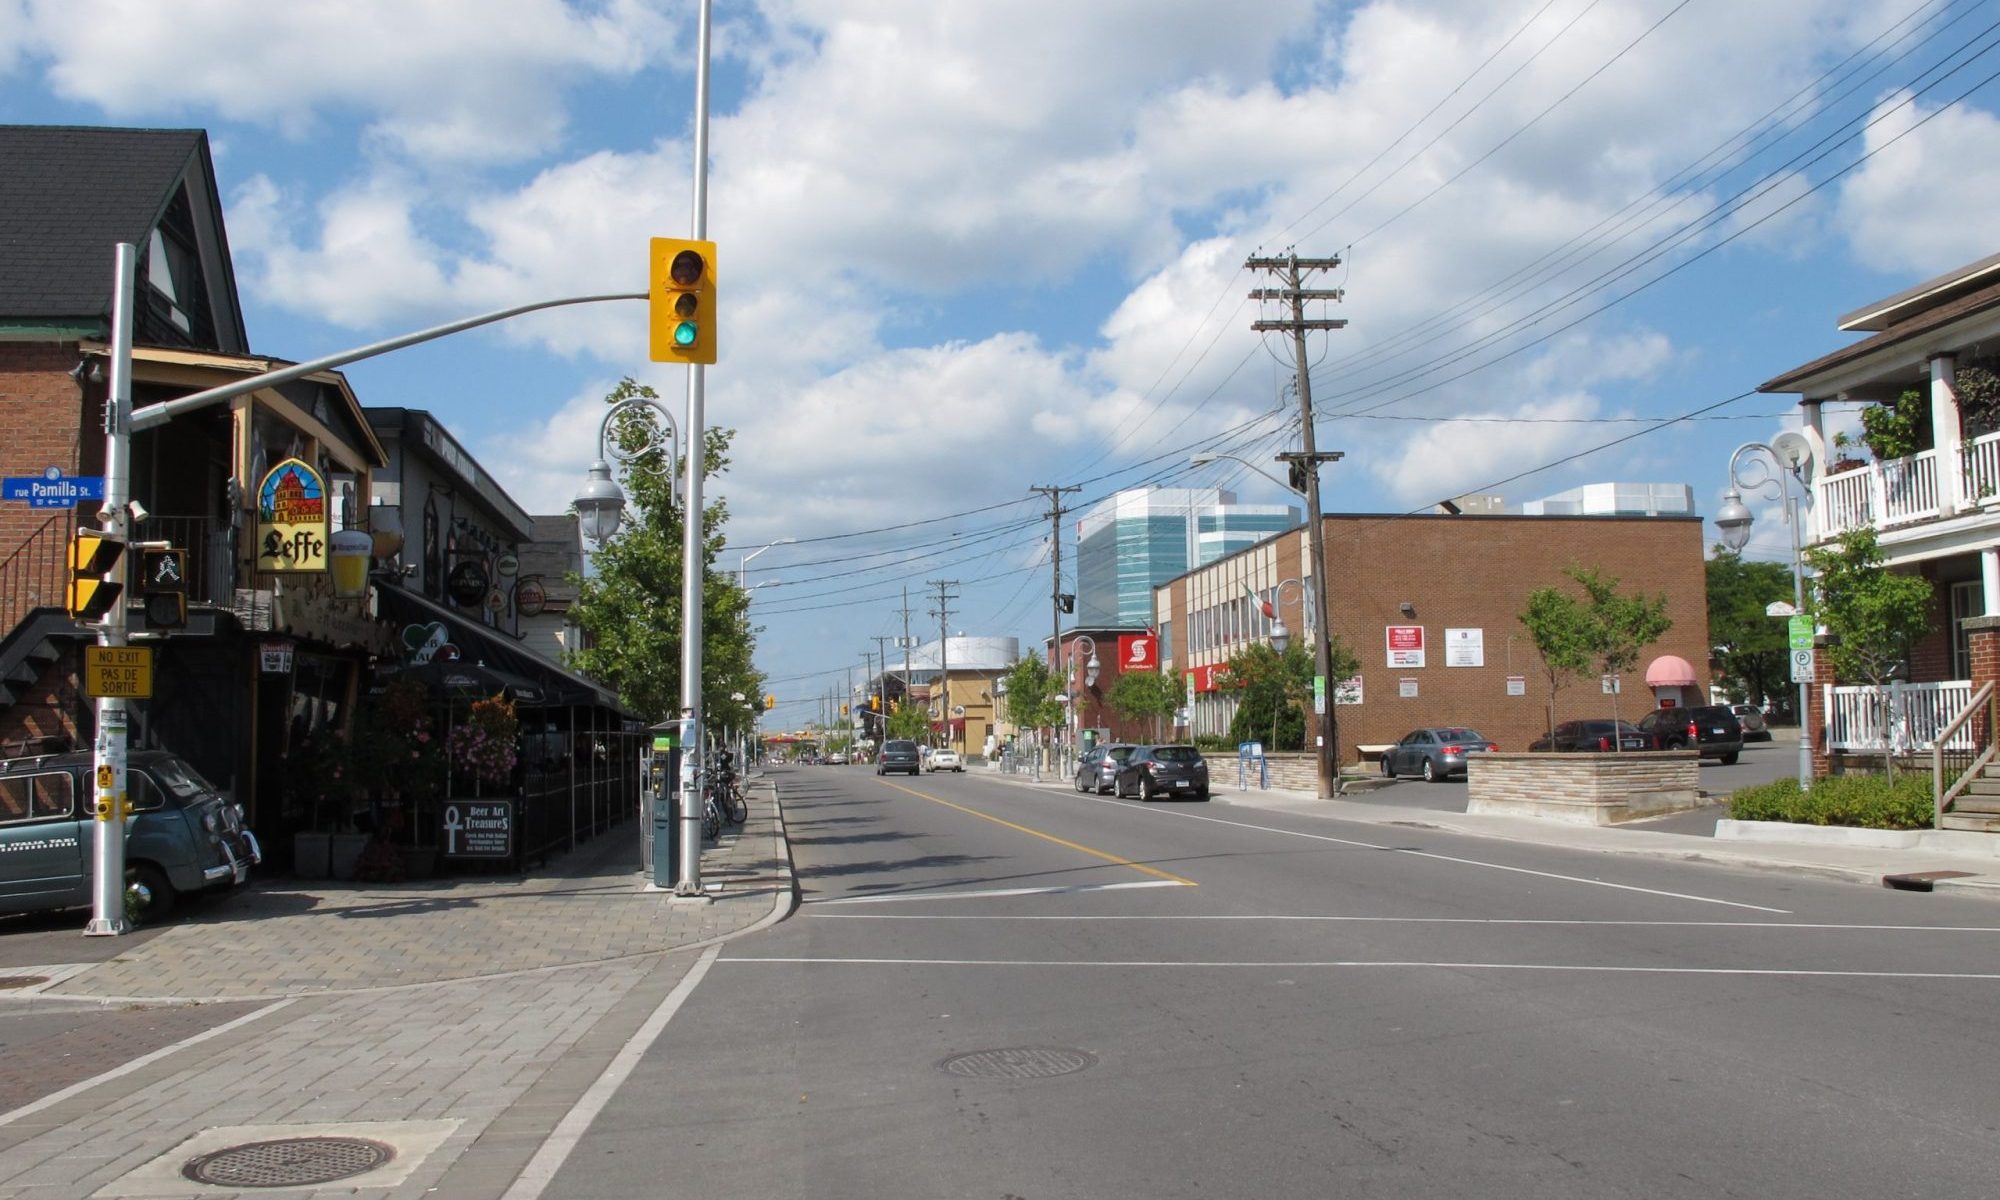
{"points": [[730, 800], [711, 815]]}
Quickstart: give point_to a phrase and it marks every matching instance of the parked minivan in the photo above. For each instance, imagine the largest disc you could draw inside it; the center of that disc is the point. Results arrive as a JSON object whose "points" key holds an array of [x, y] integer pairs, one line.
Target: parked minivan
{"points": [[183, 835]]}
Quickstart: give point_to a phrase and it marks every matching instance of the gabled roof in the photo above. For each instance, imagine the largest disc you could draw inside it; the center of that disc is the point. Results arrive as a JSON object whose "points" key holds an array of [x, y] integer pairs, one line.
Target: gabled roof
{"points": [[1924, 322], [70, 194]]}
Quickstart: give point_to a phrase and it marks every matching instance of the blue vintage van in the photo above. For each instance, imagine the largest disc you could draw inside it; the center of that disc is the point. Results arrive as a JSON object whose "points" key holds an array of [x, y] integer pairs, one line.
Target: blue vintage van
{"points": [[183, 837]]}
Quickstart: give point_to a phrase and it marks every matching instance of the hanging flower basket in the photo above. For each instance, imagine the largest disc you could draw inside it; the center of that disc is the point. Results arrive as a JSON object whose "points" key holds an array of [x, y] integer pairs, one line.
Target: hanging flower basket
{"points": [[483, 747]]}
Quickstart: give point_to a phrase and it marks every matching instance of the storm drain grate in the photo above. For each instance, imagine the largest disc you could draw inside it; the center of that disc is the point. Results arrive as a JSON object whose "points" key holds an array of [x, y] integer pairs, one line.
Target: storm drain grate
{"points": [[1018, 1062], [288, 1162], [21, 981]]}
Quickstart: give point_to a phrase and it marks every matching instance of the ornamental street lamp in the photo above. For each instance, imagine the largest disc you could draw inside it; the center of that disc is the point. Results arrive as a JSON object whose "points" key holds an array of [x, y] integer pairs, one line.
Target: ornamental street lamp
{"points": [[600, 502], [1773, 469], [1281, 637], [1090, 670]]}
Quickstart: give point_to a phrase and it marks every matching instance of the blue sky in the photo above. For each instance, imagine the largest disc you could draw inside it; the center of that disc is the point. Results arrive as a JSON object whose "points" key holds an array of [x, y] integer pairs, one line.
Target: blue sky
{"points": [[969, 247]]}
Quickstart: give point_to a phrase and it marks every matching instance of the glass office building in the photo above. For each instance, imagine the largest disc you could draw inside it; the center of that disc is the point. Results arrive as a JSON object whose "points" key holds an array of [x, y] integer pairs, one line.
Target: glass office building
{"points": [[1138, 539]]}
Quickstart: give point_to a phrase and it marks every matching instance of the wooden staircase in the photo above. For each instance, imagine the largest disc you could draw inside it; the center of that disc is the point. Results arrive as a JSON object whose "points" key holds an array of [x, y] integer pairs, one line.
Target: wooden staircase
{"points": [[1977, 807]]}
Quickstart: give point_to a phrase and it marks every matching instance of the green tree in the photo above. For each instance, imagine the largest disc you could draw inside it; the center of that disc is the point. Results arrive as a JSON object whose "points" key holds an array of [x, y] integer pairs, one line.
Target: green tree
{"points": [[1619, 627], [629, 605], [1751, 647], [1277, 691], [1873, 616], [912, 721], [1030, 702], [1559, 626], [1145, 695]]}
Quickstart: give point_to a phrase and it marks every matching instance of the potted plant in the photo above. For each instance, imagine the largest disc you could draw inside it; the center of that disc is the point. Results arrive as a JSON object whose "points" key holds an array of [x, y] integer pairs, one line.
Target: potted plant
{"points": [[482, 747], [1843, 456], [1891, 430], [400, 764]]}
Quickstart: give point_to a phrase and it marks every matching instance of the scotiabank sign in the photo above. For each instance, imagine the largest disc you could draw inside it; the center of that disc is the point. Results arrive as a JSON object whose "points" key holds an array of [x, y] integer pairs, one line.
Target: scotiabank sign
{"points": [[1139, 652], [1212, 678]]}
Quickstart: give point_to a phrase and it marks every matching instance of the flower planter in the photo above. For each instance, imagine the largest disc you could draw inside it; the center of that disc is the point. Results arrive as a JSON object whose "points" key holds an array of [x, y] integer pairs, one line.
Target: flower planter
{"points": [[345, 848], [419, 862], [311, 855]]}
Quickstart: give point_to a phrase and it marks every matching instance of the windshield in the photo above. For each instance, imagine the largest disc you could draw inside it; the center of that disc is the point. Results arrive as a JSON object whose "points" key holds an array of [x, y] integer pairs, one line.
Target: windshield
{"points": [[902, 747], [179, 778]]}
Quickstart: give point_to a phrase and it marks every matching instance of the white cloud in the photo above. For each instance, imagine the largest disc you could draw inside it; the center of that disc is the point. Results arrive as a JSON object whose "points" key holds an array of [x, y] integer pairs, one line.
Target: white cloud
{"points": [[475, 81], [1452, 457], [1923, 204]]}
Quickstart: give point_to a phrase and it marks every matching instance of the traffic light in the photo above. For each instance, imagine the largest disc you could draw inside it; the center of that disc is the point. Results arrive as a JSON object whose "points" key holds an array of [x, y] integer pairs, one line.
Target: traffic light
{"points": [[770, 700], [874, 704], [1298, 477], [843, 710], [163, 580], [681, 290], [1066, 601], [92, 556]]}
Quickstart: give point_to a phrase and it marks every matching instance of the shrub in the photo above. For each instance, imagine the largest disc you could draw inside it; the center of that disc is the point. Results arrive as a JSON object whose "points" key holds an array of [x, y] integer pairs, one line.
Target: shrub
{"points": [[1861, 801]]}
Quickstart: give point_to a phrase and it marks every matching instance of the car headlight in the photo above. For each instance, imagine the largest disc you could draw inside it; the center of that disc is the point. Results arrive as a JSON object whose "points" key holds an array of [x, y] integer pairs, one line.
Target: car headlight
{"points": [[209, 821]]}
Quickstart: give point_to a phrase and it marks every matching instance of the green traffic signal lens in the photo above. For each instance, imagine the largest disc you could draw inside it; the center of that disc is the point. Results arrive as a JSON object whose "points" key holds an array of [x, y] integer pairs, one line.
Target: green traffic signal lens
{"points": [[684, 333]]}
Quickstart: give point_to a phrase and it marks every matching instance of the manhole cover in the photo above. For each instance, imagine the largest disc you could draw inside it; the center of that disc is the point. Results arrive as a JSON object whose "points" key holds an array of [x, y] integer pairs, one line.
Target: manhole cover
{"points": [[288, 1162], [1018, 1062], [21, 981]]}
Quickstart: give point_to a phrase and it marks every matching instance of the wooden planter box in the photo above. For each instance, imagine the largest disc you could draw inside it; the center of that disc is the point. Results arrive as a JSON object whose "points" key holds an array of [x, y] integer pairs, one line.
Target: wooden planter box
{"points": [[1584, 789]]}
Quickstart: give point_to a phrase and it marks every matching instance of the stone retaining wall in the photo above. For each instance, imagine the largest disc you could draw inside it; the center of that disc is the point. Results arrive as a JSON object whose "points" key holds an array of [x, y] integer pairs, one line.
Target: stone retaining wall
{"points": [[1587, 789]]}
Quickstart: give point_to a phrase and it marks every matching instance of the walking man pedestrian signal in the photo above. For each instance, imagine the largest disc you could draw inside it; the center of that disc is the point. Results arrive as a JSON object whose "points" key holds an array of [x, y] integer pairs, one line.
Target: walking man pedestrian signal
{"points": [[681, 294], [164, 581]]}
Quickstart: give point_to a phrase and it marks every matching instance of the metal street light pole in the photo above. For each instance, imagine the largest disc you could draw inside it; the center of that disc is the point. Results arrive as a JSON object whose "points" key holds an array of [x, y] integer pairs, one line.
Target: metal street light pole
{"points": [[745, 560], [1090, 669], [1733, 520]]}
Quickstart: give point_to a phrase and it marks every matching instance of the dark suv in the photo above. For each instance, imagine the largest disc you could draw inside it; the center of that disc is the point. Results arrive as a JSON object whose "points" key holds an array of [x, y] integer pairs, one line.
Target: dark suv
{"points": [[1594, 736], [183, 835], [899, 755], [1710, 728]]}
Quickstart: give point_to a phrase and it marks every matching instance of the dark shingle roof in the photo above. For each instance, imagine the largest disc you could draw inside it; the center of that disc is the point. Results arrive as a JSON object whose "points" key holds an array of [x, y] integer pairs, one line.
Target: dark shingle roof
{"points": [[68, 195]]}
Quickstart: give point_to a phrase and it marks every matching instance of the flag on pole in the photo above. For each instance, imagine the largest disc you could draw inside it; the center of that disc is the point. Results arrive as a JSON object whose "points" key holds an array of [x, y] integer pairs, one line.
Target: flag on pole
{"points": [[1263, 605]]}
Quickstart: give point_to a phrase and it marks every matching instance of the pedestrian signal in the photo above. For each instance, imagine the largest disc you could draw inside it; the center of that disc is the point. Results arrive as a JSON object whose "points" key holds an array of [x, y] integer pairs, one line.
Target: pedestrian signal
{"points": [[163, 580]]}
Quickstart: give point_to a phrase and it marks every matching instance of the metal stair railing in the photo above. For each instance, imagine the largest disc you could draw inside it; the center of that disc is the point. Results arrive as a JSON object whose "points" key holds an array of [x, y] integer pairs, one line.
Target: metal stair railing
{"points": [[36, 574], [1984, 698]]}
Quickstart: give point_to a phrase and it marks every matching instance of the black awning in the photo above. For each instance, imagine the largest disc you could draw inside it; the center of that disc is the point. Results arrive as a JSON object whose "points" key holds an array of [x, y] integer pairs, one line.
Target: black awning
{"points": [[482, 645]]}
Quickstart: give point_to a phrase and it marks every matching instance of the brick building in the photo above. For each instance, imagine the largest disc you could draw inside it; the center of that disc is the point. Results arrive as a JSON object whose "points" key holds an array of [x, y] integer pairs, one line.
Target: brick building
{"points": [[1430, 605]]}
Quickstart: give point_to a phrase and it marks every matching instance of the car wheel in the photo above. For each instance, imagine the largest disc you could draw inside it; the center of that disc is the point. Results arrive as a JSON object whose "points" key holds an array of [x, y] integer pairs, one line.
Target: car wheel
{"points": [[1201, 795], [149, 894], [1430, 772], [1145, 789], [1388, 767], [1729, 759]]}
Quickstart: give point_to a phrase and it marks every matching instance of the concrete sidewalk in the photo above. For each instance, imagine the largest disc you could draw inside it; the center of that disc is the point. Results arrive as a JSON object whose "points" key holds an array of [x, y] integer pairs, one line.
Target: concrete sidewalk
{"points": [[1922, 869], [457, 1022]]}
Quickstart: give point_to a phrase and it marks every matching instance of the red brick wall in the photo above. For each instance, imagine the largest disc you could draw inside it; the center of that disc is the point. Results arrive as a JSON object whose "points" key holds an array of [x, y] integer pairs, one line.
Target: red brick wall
{"points": [[1930, 655], [41, 428], [1474, 571], [48, 708]]}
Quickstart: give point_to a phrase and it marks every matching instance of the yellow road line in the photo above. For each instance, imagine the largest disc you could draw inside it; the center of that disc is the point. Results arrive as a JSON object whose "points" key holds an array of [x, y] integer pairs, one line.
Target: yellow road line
{"points": [[1047, 837]]}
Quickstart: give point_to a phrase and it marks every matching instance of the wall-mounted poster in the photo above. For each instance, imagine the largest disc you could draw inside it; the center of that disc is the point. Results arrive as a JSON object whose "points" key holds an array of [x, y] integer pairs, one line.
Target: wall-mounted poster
{"points": [[292, 528]]}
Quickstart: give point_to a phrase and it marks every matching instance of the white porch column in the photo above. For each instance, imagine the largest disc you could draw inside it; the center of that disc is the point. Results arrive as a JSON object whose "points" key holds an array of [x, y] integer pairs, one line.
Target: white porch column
{"points": [[1989, 579], [1813, 416], [1950, 462]]}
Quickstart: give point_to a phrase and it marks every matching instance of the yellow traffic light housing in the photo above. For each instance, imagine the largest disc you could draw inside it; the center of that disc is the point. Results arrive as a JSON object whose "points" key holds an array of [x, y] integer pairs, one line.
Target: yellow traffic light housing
{"points": [[681, 291], [770, 701], [92, 556]]}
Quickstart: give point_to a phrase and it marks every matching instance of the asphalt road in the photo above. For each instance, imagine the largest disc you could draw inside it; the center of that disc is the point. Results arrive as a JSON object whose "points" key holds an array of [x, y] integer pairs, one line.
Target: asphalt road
{"points": [[999, 992]]}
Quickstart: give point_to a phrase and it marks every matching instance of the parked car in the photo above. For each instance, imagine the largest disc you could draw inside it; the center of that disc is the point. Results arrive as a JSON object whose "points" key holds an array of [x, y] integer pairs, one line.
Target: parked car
{"points": [[1710, 728], [183, 836], [1097, 768], [1593, 736], [837, 759], [898, 755], [1151, 771], [945, 759], [1755, 727], [1437, 753]]}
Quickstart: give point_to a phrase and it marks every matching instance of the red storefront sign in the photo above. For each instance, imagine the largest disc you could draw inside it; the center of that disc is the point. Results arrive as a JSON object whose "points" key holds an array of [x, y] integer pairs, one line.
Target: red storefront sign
{"points": [[1212, 678], [1139, 652]]}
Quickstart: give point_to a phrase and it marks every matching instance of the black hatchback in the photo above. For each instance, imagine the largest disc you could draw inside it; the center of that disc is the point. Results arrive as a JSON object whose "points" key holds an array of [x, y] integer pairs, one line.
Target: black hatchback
{"points": [[899, 755], [1593, 737], [1152, 771], [1711, 729]]}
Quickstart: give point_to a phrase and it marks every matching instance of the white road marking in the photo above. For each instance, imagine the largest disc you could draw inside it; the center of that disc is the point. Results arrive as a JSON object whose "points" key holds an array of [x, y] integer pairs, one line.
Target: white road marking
{"points": [[143, 1060], [1469, 862], [1359, 963], [1057, 890], [541, 1169], [1402, 920]]}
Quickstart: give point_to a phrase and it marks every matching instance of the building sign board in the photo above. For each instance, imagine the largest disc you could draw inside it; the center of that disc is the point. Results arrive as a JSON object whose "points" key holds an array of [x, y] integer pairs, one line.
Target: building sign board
{"points": [[1406, 645], [478, 828], [274, 658], [1138, 652], [292, 519], [1348, 691], [1406, 688], [1799, 632], [1517, 685], [52, 489], [1465, 647]]}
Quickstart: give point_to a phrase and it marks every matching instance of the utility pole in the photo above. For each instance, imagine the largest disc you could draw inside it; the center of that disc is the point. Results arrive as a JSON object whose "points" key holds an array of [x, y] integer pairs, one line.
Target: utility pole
{"points": [[1290, 270], [943, 613], [908, 643], [1055, 493], [882, 714]]}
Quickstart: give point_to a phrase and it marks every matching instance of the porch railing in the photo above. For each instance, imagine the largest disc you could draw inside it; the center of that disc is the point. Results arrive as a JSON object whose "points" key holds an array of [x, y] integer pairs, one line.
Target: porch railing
{"points": [[1903, 718], [1981, 469], [1984, 699], [1904, 490]]}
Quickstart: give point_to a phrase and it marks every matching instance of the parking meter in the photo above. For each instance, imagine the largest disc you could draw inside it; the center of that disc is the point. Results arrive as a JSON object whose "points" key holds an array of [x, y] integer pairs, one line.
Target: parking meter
{"points": [[662, 828]]}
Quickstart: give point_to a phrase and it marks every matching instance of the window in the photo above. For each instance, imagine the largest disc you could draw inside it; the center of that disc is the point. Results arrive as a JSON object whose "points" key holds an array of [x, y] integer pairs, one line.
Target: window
{"points": [[41, 797]]}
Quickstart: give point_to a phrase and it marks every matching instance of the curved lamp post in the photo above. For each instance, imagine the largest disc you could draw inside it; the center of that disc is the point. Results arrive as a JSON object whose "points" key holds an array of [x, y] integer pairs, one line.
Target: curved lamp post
{"points": [[743, 562], [600, 502], [1771, 475], [1090, 669], [1209, 456], [1281, 637]]}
